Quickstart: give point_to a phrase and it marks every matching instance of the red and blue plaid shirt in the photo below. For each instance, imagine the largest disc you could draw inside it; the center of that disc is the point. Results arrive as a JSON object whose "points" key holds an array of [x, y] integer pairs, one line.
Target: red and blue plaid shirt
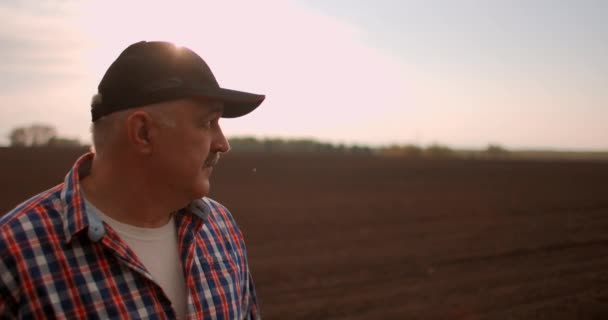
{"points": [[60, 261]]}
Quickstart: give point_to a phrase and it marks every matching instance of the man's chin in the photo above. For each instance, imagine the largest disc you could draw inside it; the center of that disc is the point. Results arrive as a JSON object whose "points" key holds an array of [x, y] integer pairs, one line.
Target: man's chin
{"points": [[201, 189]]}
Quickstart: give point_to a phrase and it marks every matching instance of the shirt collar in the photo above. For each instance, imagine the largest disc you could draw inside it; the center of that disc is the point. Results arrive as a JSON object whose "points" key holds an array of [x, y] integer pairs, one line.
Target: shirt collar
{"points": [[200, 208], [75, 214], [77, 217]]}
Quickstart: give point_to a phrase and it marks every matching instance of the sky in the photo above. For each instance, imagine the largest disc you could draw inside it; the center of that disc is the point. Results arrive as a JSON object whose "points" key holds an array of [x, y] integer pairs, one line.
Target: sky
{"points": [[520, 74]]}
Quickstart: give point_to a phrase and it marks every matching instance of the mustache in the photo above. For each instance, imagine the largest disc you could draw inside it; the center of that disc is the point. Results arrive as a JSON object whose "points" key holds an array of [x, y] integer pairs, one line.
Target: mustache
{"points": [[212, 160]]}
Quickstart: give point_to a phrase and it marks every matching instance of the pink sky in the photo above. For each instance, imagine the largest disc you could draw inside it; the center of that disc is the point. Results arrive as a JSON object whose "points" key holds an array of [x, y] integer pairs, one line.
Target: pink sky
{"points": [[322, 77]]}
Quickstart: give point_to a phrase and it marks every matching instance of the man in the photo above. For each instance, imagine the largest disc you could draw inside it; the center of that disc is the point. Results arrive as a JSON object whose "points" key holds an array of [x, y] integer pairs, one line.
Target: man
{"points": [[130, 234]]}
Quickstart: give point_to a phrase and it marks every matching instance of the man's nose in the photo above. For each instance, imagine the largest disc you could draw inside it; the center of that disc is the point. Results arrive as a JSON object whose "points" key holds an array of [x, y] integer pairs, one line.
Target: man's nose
{"points": [[221, 143]]}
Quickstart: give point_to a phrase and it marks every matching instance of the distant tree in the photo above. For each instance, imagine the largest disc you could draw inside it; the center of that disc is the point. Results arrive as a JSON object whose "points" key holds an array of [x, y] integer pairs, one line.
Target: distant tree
{"points": [[65, 142], [38, 135], [496, 151], [33, 135], [18, 137], [357, 149], [438, 151], [409, 151], [245, 144]]}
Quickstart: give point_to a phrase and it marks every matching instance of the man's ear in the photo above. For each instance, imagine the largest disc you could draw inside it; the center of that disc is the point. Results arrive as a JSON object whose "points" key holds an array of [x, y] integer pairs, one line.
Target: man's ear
{"points": [[141, 131]]}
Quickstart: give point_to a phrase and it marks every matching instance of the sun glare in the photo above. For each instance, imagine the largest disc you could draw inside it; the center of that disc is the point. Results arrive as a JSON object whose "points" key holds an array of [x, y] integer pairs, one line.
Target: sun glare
{"points": [[113, 25], [300, 59]]}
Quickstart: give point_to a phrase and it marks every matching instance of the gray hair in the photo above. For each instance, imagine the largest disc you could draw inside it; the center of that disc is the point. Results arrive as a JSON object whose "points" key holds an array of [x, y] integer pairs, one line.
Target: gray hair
{"points": [[107, 130]]}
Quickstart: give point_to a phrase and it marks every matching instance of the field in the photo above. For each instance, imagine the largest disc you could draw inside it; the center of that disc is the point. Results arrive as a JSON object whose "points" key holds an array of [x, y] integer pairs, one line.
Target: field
{"points": [[363, 237]]}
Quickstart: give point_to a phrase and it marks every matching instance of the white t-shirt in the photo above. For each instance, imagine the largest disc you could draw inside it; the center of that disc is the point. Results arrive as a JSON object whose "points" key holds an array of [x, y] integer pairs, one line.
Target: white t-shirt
{"points": [[157, 249]]}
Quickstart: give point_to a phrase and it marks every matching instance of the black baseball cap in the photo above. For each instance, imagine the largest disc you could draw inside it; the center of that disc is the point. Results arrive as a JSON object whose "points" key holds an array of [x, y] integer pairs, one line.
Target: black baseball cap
{"points": [[156, 71]]}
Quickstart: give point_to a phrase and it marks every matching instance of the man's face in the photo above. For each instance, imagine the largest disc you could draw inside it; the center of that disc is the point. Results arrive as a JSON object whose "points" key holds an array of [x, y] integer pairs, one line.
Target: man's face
{"points": [[188, 147]]}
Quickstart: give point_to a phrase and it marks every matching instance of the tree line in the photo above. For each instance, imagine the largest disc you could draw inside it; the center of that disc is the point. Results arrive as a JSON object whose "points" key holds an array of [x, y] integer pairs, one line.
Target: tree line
{"points": [[46, 135], [250, 144], [37, 135]]}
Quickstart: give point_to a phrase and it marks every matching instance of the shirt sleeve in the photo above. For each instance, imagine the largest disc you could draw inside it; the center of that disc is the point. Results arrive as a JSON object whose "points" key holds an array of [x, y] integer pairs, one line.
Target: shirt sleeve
{"points": [[8, 285], [253, 310]]}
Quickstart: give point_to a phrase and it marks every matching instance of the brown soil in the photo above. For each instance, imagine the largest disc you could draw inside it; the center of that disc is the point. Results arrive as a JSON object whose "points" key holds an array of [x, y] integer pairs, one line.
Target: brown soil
{"points": [[361, 237]]}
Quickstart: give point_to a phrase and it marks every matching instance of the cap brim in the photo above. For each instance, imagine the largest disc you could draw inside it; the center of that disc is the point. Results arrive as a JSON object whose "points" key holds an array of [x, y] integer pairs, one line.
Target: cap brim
{"points": [[236, 103]]}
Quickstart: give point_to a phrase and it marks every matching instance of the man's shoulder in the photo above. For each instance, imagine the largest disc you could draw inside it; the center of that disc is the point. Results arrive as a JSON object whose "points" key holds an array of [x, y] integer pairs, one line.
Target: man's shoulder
{"points": [[36, 212], [217, 210], [214, 204], [220, 216]]}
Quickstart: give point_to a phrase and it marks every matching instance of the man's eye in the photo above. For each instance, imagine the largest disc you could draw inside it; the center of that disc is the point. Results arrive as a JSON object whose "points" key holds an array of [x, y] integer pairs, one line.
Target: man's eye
{"points": [[210, 123]]}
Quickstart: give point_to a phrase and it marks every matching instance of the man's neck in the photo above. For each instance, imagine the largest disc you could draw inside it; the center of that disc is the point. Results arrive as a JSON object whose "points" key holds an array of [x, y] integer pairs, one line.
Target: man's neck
{"points": [[121, 195]]}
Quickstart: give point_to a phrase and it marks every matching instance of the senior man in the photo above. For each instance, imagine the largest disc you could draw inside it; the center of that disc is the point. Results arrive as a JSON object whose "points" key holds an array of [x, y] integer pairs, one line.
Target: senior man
{"points": [[130, 233]]}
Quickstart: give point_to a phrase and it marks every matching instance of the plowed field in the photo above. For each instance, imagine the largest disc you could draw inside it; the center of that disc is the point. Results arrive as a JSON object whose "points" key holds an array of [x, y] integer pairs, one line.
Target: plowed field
{"points": [[362, 237]]}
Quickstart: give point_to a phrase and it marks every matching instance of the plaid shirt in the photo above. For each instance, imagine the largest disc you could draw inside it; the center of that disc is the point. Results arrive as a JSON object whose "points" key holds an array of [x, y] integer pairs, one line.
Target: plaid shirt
{"points": [[60, 261]]}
